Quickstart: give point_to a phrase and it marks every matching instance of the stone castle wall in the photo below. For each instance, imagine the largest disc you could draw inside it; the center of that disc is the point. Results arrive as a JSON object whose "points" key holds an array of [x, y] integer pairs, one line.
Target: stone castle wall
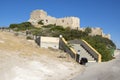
{"points": [[72, 22], [97, 31], [38, 15]]}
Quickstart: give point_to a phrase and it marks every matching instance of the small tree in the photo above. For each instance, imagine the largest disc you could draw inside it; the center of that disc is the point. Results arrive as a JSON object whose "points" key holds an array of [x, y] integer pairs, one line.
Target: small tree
{"points": [[21, 26], [88, 30], [41, 22], [13, 26]]}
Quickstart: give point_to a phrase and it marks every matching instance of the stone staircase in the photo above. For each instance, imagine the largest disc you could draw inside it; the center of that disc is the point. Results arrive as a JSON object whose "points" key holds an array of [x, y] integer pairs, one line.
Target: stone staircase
{"points": [[83, 52]]}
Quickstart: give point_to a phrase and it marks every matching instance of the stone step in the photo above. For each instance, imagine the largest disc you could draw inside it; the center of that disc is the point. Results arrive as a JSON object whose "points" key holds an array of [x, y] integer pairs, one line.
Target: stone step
{"points": [[83, 52]]}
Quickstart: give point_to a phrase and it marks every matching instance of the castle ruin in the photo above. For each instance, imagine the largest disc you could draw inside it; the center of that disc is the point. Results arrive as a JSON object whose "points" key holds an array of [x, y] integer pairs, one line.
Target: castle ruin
{"points": [[38, 15], [72, 22], [97, 31]]}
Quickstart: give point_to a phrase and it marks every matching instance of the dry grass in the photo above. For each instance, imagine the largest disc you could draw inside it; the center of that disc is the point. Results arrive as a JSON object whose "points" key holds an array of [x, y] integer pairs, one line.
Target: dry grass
{"points": [[17, 51]]}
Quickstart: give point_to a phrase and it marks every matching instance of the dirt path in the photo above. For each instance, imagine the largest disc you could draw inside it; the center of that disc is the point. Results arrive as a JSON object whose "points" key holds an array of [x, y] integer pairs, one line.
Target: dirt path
{"points": [[104, 71], [21, 59]]}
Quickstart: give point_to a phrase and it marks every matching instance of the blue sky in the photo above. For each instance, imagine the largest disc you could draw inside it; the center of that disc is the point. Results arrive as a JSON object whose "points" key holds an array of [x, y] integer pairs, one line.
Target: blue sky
{"points": [[95, 13]]}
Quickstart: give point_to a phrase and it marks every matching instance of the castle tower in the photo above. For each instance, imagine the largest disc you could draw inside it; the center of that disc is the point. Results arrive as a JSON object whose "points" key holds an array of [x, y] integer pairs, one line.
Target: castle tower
{"points": [[37, 15]]}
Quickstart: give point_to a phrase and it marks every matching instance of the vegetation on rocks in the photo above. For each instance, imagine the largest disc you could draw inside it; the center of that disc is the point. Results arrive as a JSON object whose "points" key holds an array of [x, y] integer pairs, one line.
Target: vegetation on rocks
{"points": [[22, 26], [103, 45], [41, 22]]}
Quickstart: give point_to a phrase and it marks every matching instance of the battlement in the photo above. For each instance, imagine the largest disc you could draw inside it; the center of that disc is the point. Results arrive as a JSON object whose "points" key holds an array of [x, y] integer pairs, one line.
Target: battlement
{"points": [[72, 22], [97, 31], [38, 15]]}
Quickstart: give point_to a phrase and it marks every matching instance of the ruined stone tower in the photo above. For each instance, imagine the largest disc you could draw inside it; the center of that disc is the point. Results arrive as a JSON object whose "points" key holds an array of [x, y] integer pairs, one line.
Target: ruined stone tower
{"points": [[38, 15]]}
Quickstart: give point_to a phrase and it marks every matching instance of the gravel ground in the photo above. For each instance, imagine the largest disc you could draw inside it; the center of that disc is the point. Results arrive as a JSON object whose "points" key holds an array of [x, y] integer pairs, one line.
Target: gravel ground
{"points": [[102, 71], [21, 59]]}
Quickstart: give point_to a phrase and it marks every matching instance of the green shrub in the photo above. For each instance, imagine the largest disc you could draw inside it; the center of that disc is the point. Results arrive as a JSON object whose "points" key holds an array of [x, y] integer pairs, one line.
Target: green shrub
{"points": [[29, 38], [48, 26], [22, 26], [101, 45], [41, 22]]}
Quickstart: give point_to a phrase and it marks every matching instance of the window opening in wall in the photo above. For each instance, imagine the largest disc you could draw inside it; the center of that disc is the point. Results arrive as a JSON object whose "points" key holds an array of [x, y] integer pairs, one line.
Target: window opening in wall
{"points": [[63, 21], [47, 21]]}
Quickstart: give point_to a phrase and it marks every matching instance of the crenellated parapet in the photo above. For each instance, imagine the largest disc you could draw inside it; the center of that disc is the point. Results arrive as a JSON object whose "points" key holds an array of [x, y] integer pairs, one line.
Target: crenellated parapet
{"points": [[72, 22], [97, 31], [38, 15]]}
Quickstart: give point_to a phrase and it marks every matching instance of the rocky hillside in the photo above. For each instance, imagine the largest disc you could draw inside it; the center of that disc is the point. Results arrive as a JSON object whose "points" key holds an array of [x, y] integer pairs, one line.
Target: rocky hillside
{"points": [[22, 59]]}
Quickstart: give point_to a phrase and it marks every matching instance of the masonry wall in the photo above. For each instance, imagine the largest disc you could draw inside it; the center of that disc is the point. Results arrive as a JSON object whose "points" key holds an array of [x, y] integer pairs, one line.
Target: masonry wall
{"points": [[37, 15], [64, 46], [96, 31], [46, 42]]}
